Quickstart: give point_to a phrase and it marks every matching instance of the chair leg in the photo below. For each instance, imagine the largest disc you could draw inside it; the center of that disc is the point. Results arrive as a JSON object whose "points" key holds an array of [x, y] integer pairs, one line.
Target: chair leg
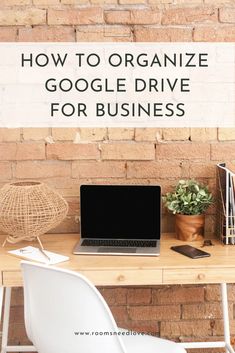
{"points": [[229, 348], [6, 317]]}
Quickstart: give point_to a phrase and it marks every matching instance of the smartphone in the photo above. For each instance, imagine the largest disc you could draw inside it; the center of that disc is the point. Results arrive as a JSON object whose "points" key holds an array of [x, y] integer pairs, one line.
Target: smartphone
{"points": [[190, 251]]}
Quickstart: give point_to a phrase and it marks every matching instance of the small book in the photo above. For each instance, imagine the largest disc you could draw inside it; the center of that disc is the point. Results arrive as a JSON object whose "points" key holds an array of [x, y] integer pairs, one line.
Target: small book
{"points": [[35, 254]]}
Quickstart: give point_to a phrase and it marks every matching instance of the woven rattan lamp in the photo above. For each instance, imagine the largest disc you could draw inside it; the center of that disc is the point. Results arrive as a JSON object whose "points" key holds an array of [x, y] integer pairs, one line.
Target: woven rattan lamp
{"points": [[29, 209]]}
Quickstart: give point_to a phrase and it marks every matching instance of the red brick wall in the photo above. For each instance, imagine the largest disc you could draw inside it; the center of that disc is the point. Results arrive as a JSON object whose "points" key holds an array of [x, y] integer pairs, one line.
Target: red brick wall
{"points": [[65, 158]]}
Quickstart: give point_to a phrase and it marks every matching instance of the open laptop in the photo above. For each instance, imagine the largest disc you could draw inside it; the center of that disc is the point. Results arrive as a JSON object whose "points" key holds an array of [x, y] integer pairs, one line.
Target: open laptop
{"points": [[120, 220]]}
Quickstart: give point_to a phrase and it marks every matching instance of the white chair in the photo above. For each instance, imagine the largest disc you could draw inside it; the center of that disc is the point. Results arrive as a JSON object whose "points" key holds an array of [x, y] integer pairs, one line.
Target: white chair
{"points": [[65, 313]]}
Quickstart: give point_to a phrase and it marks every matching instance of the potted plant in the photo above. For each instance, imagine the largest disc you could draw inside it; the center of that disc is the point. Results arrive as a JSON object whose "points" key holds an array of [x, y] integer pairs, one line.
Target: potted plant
{"points": [[189, 202]]}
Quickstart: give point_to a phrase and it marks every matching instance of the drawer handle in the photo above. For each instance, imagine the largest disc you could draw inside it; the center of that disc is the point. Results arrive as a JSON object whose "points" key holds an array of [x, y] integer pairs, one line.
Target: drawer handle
{"points": [[121, 278], [201, 276]]}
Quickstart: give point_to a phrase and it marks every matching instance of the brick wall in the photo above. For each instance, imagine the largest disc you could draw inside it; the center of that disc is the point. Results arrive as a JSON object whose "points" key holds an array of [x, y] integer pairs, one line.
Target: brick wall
{"points": [[66, 158], [117, 20]]}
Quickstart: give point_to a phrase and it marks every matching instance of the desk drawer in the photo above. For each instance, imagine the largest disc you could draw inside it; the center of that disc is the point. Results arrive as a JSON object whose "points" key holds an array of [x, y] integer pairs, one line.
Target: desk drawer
{"points": [[12, 279], [100, 278], [124, 278], [204, 275]]}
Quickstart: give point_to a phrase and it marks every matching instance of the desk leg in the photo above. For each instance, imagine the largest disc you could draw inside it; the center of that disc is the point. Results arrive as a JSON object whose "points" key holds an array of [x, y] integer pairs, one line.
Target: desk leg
{"points": [[224, 295], [226, 343], [6, 316], [7, 306], [1, 302]]}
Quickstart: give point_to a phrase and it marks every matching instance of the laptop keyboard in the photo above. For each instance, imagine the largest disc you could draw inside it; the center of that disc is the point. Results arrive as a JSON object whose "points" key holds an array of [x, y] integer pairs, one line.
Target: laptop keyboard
{"points": [[118, 242]]}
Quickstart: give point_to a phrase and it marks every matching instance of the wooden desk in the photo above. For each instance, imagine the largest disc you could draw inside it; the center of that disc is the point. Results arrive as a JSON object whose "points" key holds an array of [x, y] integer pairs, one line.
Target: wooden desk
{"points": [[168, 268]]}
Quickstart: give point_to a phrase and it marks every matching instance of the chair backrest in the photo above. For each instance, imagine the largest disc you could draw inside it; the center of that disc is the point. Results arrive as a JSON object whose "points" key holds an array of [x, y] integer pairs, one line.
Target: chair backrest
{"points": [[65, 313]]}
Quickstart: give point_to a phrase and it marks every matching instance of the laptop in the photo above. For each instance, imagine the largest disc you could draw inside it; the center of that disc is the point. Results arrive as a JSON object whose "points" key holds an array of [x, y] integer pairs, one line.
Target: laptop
{"points": [[120, 220]]}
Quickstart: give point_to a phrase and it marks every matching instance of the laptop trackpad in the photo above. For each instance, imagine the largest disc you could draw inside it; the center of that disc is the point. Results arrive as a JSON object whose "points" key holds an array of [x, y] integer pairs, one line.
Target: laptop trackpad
{"points": [[117, 250]]}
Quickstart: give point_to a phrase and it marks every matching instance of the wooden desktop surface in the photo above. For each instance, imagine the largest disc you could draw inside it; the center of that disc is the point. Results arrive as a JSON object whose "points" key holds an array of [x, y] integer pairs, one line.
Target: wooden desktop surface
{"points": [[168, 268]]}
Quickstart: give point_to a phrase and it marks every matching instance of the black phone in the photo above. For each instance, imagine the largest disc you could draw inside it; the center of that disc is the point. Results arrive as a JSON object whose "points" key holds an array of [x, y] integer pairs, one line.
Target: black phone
{"points": [[190, 251]]}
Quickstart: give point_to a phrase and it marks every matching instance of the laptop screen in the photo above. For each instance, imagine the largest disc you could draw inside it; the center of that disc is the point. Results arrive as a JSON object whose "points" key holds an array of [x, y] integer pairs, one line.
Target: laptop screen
{"points": [[120, 211]]}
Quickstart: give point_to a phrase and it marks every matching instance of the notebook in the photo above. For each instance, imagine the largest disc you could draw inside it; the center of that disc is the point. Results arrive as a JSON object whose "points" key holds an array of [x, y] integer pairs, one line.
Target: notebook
{"points": [[120, 220], [34, 254]]}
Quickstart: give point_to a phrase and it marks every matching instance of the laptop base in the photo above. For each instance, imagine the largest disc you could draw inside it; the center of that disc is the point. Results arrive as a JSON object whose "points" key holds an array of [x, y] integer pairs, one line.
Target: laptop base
{"points": [[119, 251]]}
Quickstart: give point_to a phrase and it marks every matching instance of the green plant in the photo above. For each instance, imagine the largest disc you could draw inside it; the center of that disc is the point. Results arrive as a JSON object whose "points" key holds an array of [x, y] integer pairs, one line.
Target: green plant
{"points": [[189, 198]]}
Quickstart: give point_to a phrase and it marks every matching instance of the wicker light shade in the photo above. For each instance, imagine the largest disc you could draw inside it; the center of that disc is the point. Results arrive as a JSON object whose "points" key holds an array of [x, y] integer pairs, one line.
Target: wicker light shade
{"points": [[29, 209]]}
